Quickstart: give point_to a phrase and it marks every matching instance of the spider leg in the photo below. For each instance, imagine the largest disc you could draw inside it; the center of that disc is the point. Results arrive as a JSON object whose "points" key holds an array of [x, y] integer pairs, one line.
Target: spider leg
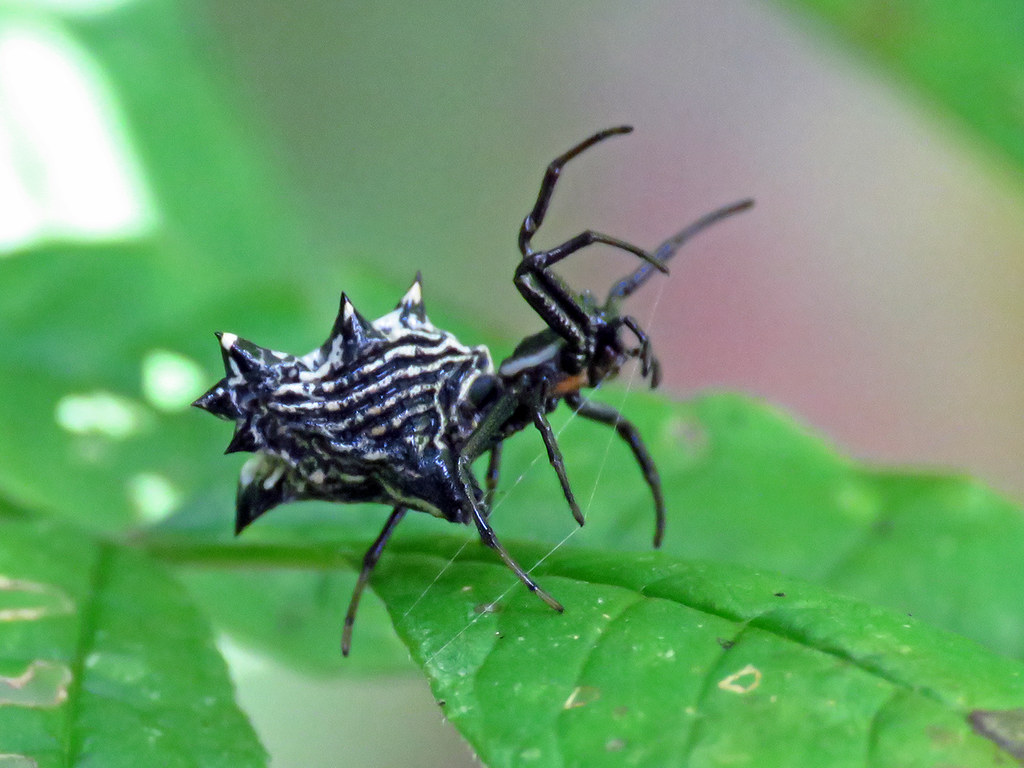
{"points": [[477, 443], [667, 249], [484, 433], [648, 362], [605, 414], [535, 217], [493, 471], [544, 291], [555, 458], [544, 259], [490, 539], [369, 561], [515, 395], [553, 300]]}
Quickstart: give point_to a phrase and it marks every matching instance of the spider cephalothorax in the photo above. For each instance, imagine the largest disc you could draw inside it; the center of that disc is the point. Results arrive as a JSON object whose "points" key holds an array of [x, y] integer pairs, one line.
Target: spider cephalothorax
{"points": [[396, 411]]}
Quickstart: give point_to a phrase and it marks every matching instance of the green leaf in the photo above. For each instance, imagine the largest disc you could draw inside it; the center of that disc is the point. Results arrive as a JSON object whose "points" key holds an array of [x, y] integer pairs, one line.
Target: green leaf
{"points": [[104, 660], [82, 318], [87, 303], [658, 661], [296, 615], [744, 484], [964, 57]]}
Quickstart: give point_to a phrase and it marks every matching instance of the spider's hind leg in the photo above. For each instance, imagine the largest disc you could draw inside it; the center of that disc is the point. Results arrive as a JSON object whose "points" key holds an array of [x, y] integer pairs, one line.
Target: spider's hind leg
{"points": [[369, 561]]}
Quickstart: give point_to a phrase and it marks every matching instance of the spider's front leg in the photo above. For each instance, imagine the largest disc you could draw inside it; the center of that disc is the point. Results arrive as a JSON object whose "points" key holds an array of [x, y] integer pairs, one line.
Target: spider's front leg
{"points": [[493, 472], [535, 217], [523, 393], [543, 290], [644, 351]]}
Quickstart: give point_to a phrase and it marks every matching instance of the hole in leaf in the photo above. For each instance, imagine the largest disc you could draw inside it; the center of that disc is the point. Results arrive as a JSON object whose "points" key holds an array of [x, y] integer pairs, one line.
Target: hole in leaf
{"points": [[44, 684], [744, 681]]}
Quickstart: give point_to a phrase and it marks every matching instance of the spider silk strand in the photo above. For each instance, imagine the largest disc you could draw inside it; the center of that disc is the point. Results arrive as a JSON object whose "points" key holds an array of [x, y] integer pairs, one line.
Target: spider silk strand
{"points": [[630, 381]]}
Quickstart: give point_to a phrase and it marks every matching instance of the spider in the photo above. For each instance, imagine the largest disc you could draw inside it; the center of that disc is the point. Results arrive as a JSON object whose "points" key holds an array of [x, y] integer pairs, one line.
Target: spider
{"points": [[395, 411]]}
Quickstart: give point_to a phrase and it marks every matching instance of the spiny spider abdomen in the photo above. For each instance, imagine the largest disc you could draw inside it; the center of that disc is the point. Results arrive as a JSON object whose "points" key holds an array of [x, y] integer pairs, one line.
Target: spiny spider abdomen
{"points": [[396, 411], [367, 416]]}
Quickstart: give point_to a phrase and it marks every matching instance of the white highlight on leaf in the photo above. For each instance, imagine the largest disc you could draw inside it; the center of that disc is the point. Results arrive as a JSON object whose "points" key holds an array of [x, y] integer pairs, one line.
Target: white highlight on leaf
{"points": [[100, 413], [72, 7], [244, 662], [17, 761], [581, 696], [170, 382], [67, 168], [23, 600], [153, 496]]}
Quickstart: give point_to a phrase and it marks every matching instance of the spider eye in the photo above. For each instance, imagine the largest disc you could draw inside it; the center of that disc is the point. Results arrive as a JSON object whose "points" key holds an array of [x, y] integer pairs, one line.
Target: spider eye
{"points": [[483, 390]]}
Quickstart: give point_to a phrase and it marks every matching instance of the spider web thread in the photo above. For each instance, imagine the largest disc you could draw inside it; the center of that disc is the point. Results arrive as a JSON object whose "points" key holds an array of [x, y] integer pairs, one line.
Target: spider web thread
{"points": [[630, 381]]}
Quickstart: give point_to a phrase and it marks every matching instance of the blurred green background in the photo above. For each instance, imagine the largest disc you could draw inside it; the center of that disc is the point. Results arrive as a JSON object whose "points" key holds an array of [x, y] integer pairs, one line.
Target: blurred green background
{"points": [[168, 169]]}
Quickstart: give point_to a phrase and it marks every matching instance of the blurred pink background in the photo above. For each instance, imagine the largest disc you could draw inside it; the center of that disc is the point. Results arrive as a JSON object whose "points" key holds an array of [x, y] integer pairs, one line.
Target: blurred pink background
{"points": [[874, 290]]}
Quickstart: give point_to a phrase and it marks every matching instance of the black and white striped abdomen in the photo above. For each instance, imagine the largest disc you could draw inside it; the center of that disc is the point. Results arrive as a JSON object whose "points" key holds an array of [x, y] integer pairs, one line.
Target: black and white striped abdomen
{"points": [[402, 387], [370, 415]]}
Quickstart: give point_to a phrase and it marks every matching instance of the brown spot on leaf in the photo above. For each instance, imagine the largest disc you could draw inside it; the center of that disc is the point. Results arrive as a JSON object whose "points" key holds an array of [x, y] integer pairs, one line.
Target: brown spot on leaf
{"points": [[943, 736], [1005, 727], [691, 438]]}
